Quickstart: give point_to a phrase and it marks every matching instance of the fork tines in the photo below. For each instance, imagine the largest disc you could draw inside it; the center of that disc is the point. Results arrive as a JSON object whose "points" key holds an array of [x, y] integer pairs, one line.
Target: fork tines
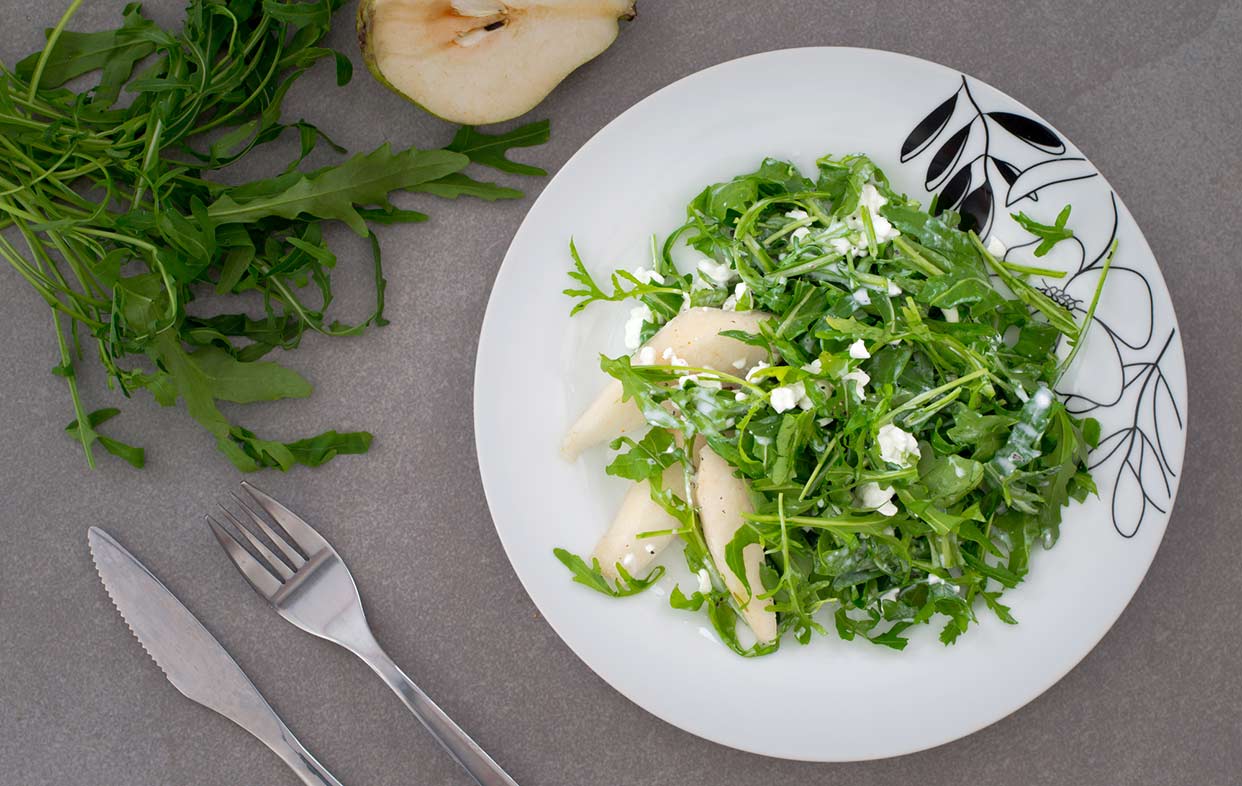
{"points": [[288, 534]]}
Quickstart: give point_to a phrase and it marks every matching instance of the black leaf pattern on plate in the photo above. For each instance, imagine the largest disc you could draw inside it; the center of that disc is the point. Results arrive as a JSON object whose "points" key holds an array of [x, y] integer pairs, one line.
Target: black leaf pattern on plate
{"points": [[1033, 132], [946, 157], [928, 129], [977, 208], [1132, 455], [1007, 170], [953, 191]]}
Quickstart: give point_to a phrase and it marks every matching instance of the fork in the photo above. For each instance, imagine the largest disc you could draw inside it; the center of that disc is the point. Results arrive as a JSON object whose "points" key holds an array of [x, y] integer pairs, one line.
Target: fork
{"points": [[309, 585]]}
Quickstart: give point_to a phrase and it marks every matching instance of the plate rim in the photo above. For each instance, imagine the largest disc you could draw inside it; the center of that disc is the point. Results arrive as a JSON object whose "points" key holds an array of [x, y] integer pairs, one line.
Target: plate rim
{"points": [[486, 474]]}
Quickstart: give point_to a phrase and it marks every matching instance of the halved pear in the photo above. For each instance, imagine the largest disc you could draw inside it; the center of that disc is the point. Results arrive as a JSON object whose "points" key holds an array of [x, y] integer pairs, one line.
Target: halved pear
{"points": [[722, 498], [483, 61], [692, 335]]}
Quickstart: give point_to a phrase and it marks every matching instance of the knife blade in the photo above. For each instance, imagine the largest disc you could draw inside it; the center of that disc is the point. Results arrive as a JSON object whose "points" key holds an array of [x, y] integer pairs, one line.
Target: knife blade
{"points": [[190, 657]]}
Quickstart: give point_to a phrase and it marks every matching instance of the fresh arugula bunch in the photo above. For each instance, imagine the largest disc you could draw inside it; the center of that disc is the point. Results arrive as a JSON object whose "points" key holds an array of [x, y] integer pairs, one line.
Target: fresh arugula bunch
{"points": [[891, 328], [119, 221]]}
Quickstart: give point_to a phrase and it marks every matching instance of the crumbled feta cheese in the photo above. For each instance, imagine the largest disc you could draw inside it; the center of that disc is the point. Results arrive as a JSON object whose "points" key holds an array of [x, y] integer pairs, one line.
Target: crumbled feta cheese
{"points": [[932, 578], [842, 246], [672, 358], [995, 247], [862, 297], [731, 303], [814, 367], [800, 233], [787, 397], [647, 276], [823, 422], [750, 375], [884, 230], [858, 350], [705, 581], [872, 199], [739, 364], [950, 314], [739, 396], [717, 273], [861, 378], [873, 496], [797, 215], [634, 326], [897, 446], [645, 356], [893, 289]]}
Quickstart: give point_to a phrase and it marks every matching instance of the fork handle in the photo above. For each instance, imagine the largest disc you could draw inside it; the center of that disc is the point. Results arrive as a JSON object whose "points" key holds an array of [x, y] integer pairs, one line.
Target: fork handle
{"points": [[473, 759]]}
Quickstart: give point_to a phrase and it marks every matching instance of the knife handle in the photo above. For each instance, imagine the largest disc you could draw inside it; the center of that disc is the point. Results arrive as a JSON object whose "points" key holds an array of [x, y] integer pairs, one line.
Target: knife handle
{"points": [[300, 760]]}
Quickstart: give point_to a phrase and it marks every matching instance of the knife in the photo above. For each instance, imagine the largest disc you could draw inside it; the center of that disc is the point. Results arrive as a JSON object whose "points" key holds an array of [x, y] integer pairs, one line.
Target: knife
{"points": [[191, 658]]}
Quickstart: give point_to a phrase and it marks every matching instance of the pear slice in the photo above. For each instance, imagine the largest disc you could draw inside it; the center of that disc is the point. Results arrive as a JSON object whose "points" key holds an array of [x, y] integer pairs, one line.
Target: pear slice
{"points": [[722, 498], [483, 61], [694, 336], [638, 513]]}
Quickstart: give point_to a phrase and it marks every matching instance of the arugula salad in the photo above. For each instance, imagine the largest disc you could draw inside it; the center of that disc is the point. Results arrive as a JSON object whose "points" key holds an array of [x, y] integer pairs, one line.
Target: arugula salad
{"points": [[843, 409]]}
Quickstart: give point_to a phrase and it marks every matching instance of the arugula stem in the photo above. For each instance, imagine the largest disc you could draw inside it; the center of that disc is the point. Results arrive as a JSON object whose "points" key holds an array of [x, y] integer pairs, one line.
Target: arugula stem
{"points": [[916, 258], [52, 38], [1086, 321]]}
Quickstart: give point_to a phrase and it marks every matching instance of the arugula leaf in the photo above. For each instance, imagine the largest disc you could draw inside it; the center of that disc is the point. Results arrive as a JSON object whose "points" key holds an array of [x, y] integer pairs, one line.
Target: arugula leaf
{"points": [[1049, 235], [490, 149], [135, 456], [335, 192], [590, 576]]}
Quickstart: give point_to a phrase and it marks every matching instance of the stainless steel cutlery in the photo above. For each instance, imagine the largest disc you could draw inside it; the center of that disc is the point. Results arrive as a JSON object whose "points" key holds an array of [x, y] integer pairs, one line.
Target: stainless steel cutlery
{"points": [[191, 658], [305, 580]]}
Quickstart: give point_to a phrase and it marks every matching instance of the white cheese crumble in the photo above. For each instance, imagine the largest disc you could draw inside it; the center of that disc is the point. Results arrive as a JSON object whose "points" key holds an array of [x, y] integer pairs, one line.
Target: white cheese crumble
{"points": [[897, 446], [873, 496], [995, 247], [646, 356], [862, 297], [800, 233], [797, 215], [739, 292], [858, 350], [893, 289], [950, 314], [717, 273], [814, 367], [647, 276], [861, 378], [842, 246], [634, 326], [750, 375], [786, 397]]}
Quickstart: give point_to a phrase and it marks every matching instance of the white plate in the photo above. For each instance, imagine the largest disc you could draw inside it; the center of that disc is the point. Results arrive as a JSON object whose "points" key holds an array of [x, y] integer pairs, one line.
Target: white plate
{"points": [[832, 700]]}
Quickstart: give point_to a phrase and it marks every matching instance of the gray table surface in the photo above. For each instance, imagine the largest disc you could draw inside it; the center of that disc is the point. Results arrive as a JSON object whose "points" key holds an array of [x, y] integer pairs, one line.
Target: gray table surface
{"points": [[1150, 90]]}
